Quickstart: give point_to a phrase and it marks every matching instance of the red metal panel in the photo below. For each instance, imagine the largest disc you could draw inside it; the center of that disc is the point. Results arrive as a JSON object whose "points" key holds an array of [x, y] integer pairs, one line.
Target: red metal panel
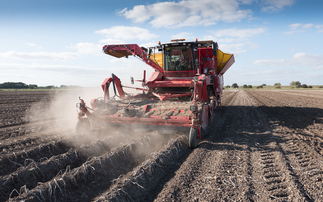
{"points": [[155, 76], [122, 50], [179, 74], [171, 83]]}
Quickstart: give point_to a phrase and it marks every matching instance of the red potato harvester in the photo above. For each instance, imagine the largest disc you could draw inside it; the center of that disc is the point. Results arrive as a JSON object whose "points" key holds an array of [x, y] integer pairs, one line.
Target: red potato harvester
{"points": [[184, 91]]}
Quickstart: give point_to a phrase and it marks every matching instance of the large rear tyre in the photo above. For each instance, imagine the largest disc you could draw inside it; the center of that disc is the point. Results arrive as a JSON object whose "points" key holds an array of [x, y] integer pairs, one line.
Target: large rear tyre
{"points": [[83, 127], [192, 140]]}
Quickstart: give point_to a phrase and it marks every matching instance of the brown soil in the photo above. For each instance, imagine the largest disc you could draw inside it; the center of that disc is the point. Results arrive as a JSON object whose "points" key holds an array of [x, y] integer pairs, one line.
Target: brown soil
{"points": [[135, 108], [261, 146]]}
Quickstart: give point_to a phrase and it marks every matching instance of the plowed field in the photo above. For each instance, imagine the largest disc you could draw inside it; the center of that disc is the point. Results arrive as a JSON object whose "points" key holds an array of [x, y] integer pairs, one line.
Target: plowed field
{"points": [[261, 146]]}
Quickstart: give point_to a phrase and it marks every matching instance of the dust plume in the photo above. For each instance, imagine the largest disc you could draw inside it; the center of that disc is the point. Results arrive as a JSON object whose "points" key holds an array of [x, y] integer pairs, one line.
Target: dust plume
{"points": [[58, 112], [57, 115]]}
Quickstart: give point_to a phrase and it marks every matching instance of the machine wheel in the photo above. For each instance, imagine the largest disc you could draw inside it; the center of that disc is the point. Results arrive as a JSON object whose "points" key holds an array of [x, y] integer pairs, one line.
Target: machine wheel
{"points": [[83, 126], [192, 141]]}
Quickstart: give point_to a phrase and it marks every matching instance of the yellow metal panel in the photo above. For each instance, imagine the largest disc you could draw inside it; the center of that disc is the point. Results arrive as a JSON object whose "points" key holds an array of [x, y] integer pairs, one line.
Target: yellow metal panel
{"points": [[222, 58], [158, 58]]}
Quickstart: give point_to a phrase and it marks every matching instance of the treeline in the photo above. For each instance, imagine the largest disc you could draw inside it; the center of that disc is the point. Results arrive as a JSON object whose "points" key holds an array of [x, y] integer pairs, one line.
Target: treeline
{"points": [[21, 85], [17, 85], [293, 84]]}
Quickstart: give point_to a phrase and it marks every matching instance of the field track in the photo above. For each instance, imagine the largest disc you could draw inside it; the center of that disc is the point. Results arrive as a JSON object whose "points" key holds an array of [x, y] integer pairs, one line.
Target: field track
{"points": [[261, 146]]}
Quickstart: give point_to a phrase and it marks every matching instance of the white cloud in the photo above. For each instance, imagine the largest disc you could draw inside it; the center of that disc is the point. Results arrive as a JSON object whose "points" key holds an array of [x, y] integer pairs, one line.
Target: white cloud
{"points": [[308, 25], [39, 55], [274, 62], [41, 66], [188, 13], [139, 13], [275, 5], [149, 44], [237, 48], [184, 35], [295, 25], [239, 33], [88, 48], [33, 45], [247, 1], [303, 60], [298, 27], [123, 34], [294, 31], [236, 40], [319, 28]]}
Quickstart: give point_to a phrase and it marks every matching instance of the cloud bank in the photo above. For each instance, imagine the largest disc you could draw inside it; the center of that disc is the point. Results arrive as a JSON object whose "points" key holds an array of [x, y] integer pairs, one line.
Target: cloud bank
{"points": [[198, 12], [187, 13], [303, 60], [124, 34], [299, 27], [39, 55]]}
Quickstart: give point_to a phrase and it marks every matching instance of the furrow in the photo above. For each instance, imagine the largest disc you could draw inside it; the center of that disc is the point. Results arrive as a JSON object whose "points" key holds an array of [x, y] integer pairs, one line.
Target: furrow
{"points": [[141, 183], [95, 175], [34, 173]]}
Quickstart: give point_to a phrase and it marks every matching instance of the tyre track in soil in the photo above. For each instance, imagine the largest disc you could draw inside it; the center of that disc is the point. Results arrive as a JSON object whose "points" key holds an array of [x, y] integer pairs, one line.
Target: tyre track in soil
{"points": [[270, 178], [304, 160], [208, 165], [245, 165], [311, 131]]}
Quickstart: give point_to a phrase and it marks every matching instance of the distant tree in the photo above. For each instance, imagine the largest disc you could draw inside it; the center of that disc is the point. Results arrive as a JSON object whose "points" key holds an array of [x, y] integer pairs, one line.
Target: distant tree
{"points": [[32, 86], [249, 86], [14, 85], [261, 86], [304, 86], [295, 83], [310, 86], [235, 85], [245, 86], [228, 86], [50, 87], [277, 84], [320, 86], [264, 85]]}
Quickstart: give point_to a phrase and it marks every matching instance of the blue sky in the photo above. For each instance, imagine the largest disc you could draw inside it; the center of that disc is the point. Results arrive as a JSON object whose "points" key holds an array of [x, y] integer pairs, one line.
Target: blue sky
{"points": [[60, 42]]}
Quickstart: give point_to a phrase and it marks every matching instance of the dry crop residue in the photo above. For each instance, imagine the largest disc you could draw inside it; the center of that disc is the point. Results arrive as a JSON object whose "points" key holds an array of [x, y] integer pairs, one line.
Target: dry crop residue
{"points": [[261, 146]]}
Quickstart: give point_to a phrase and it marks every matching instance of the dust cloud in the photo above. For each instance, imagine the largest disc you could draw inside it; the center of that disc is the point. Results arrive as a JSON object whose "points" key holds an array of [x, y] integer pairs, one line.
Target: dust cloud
{"points": [[58, 115], [58, 111]]}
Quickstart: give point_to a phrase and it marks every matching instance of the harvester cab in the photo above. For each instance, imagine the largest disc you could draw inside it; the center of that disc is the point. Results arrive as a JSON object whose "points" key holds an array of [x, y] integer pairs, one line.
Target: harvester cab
{"points": [[184, 91]]}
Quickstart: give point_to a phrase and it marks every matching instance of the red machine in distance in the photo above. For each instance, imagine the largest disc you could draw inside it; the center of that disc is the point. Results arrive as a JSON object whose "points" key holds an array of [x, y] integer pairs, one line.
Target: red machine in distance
{"points": [[184, 90]]}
